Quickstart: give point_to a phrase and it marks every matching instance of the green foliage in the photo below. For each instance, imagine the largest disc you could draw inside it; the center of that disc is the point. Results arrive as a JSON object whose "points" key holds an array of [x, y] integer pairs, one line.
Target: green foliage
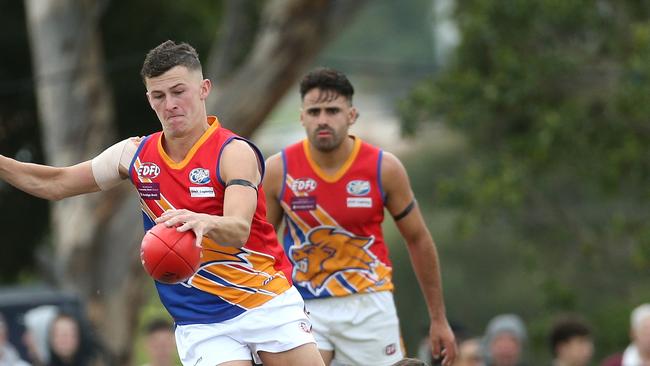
{"points": [[402, 23], [552, 99]]}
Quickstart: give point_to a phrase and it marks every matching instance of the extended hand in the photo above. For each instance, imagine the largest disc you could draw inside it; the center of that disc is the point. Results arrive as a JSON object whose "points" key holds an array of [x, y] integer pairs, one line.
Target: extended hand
{"points": [[443, 342], [187, 220]]}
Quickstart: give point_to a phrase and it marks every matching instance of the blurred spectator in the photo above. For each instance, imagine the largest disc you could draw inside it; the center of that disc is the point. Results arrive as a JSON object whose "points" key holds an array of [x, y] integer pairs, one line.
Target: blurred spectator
{"points": [[67, 345], [505, 341], [8, 354], [160, 343], [571, 342], [424, 348], [638, 352], [469, 353], [37, 326]]}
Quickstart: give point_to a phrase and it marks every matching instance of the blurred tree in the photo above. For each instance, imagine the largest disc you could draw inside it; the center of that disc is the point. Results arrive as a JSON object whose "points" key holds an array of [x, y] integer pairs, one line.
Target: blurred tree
{"points": [[23, 227], [95, 241], [552, 99], [289, 36]]}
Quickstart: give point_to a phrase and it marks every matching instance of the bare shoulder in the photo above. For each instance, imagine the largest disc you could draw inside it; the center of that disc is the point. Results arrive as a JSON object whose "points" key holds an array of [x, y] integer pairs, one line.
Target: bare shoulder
{"points": [[239, 161], [238, 154], [391, 166], [274, 163], [238, 146], [274, 173], [396, 183]]}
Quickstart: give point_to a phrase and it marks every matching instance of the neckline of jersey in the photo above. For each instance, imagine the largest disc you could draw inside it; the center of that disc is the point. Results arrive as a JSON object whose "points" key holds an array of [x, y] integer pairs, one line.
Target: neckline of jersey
{"points": [[214, 125], [332, 178]]}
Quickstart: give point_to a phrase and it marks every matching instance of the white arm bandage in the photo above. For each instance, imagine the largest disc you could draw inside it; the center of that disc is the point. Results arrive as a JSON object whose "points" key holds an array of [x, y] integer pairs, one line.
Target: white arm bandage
{"points": [[108, 165]]}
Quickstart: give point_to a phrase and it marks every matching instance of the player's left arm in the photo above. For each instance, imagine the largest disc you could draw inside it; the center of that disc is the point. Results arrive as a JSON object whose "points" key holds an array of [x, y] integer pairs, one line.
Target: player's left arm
{"points": [[402, 206], [240, 167]]}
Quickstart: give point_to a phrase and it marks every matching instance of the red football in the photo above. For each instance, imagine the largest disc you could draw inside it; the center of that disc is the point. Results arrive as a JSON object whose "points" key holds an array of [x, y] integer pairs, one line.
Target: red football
{"points": [[170, 256]]}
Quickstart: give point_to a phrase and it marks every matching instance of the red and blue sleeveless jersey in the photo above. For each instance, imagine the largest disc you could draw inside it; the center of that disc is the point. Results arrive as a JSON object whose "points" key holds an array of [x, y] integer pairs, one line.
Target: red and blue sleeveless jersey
{"points": [[333, 232], [230, 280]]}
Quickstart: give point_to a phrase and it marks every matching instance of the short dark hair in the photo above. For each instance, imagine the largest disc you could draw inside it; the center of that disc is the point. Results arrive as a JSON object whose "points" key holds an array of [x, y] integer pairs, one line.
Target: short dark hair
{"points": [[566, 328], [327, 79], [158, 324], [168, 55]]}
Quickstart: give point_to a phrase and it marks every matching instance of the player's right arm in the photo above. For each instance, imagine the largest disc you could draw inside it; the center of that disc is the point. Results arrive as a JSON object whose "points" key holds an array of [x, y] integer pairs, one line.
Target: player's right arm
{"points": [[273, 180], [55, 183], [48, 182]]}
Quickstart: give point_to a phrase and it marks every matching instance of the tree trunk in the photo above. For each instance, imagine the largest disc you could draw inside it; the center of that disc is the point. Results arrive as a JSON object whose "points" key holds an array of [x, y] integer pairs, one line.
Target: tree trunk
{"points": [[96, 243], [291, 34], [95, 239]]}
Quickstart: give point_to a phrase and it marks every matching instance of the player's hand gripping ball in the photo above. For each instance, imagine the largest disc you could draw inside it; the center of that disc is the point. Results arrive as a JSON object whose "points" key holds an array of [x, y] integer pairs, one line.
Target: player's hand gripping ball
{"points": [[170, 256]]}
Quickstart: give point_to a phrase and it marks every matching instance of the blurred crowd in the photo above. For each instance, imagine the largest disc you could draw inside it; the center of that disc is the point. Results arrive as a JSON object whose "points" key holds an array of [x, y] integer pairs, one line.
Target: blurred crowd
{"points": [[570, 343], [54, 337]]}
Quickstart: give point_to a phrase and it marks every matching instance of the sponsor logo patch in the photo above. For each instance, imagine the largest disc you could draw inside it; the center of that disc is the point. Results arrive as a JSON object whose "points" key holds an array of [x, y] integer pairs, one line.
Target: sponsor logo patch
{"points": [[390, 349], [149, 191], [359, 202], [358, 187], [305, 327], [201, 192], [303, 203], [303, 185], [200, 176], [148, 170]]}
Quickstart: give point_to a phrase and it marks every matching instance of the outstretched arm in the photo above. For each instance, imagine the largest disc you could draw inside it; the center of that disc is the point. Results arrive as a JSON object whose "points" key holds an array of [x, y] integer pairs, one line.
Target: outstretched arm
{"points": [[422, 251], [52, 183], [48, 182]]}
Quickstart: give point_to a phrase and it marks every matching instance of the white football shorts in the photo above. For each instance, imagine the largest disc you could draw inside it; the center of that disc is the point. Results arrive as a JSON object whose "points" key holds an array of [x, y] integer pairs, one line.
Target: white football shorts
{"points": [[361, 329], [279, 325]]}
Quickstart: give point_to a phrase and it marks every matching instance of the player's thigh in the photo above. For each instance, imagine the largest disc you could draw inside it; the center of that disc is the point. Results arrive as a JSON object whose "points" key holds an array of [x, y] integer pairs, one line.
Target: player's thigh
{"points": [[209, 345], [236, 363], [305, 355], [278, 326], [368, 331], [375, 342], [326, 355]]}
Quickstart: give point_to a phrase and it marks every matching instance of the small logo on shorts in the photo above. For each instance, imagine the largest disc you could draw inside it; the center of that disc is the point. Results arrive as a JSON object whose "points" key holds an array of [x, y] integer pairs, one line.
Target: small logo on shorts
{"points": [[198, 361], [390, 349], [305, 327]]}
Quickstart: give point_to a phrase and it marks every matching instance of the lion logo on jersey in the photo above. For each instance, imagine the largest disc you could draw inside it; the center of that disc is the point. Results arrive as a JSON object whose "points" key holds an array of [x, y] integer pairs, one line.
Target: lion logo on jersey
{"points": [[329, 251]]}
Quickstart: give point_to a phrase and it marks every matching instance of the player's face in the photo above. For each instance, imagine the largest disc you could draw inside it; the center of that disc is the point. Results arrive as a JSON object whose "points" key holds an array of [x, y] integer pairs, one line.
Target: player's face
{"points": [[178, 98], [326, 116]]}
